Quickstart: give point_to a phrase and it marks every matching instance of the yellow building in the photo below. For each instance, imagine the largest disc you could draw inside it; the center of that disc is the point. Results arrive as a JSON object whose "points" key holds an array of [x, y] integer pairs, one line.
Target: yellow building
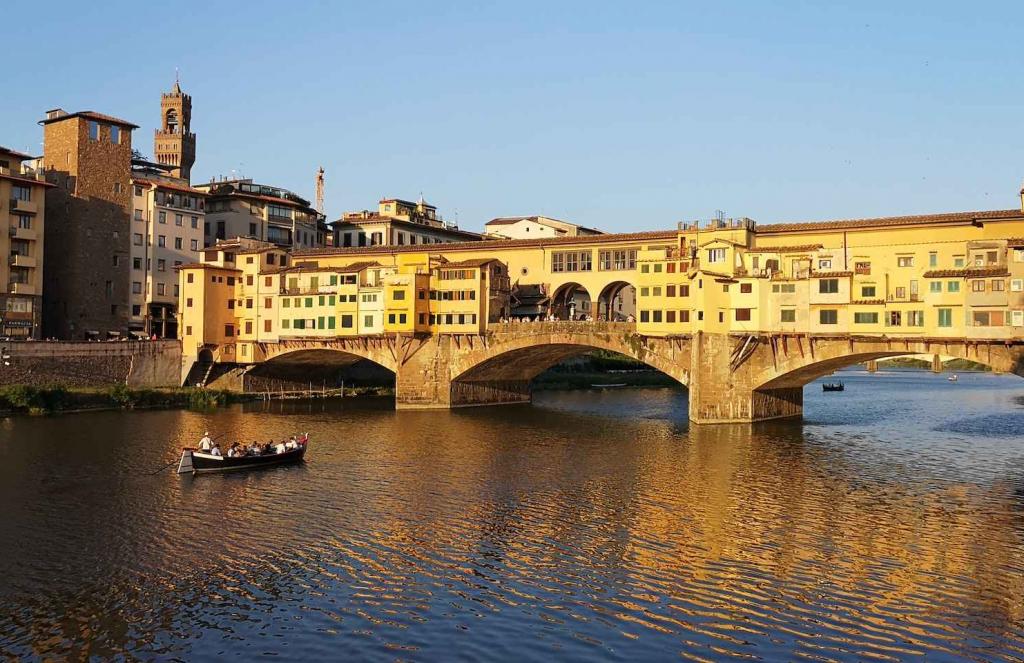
{"points": [[21, 302], [397, 222]]}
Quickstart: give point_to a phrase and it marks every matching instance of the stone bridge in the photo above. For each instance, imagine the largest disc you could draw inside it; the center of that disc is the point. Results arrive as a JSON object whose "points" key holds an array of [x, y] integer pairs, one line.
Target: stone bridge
{"points": [[730, 377]]}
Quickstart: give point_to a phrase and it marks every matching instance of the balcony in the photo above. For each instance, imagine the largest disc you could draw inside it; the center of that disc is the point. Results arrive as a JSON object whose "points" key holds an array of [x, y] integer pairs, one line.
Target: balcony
{"points": [[23, 233], [18, 260], [22, 289], [23, 206]]}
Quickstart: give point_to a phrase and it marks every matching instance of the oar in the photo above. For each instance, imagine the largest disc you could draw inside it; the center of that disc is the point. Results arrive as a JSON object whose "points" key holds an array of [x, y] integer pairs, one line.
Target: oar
{"points": [[164, 467]]}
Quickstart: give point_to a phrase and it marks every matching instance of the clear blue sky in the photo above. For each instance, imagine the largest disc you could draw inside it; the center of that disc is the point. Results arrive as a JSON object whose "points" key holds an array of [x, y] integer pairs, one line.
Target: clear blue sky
{"points": [[623, 116]]}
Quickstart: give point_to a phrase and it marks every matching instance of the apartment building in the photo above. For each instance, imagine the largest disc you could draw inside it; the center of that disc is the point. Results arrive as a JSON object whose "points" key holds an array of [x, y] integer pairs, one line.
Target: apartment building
{"points": [[534, 227], [397, 222], [244, 208], [23, 214]]}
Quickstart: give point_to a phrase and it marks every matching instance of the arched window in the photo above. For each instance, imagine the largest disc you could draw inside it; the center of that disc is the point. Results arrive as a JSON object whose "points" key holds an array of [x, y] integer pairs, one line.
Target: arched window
{"points": [[172, 121]]}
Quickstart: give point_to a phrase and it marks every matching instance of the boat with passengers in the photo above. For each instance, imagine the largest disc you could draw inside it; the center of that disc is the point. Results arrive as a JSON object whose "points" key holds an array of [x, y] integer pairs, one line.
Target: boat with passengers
{"points": [[199, 461]]}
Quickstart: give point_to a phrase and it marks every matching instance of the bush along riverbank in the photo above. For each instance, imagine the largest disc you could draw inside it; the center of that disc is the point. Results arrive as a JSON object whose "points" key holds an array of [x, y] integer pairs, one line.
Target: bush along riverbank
{"points": [[47, 400]]}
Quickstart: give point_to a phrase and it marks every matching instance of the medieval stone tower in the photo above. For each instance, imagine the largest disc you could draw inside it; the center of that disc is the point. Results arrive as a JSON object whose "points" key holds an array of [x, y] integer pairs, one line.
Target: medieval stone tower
{"points": [[175, 144]]}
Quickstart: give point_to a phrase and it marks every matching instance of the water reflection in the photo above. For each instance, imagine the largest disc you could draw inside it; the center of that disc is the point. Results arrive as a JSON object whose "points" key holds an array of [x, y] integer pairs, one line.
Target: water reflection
{"points": [[589, 525]]}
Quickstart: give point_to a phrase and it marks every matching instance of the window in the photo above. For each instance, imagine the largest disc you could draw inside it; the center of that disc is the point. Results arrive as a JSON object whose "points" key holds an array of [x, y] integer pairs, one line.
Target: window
{"points": [[194, 245], [945, 317], [743, 315], [178, 242], [1017, 285], [94, 131], [978, 286], [746, 288], [958, 261], [161, 240], [161, 265], [933, 259], [24, 221], [229, 330], [347, 321], [935, 286], [1017, 318], [829, 316], [398, 295], [138, 215], [905, 261], [137, 239], [787, 315], [161, 217], [865, 318], [367, 320], [998, 285], [195, 222], [19, 192], [571, 261], [915, 318], [716, 255], [825, 263], [115, 135], [987, 318], [784, 288], [953, 286], [136, 287], [655, 316], [901, 293], [268, 326], [401, 318], [862, 267], [1018, 255], [137, 264], [894, 319], [160, 288], [645, 316], [828, 286], [867, 291], [179, 219]]}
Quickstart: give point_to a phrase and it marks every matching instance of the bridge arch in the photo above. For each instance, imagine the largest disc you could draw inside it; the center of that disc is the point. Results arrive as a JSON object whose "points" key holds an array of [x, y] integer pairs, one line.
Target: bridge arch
{"points": [[798, 370], [502, 371], [616, 302], [570, 300], [295, 365]]}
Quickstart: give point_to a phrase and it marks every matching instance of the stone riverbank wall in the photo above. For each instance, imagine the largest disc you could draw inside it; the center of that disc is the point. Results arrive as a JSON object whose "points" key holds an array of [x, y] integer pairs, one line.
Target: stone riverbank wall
{"points": [[85, 364]]}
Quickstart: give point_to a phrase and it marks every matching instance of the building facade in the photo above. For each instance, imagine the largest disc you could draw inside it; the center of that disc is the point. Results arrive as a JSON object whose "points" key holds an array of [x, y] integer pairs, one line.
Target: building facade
{"points": [[238, 296], [534, 227], [87, 156], [167, 232], [243, 208], [25, 219], [397, 223]]}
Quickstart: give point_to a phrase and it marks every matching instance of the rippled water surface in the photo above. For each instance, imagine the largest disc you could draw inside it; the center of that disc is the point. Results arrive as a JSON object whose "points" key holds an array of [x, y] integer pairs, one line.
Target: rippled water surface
{"points": [[588, 526]]}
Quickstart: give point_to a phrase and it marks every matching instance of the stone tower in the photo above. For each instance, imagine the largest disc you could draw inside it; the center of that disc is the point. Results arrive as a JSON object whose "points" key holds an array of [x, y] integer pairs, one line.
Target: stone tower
{"points": [[174, 143]]}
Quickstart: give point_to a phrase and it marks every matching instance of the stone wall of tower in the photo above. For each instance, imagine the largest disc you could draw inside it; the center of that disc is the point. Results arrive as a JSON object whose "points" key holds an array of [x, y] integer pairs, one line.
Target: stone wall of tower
{"points": [[88, 229], [176, 148]]}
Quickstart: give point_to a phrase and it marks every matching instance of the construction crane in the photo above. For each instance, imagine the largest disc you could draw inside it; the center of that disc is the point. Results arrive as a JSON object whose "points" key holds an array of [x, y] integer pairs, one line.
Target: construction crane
{"points": [[320, 190]]}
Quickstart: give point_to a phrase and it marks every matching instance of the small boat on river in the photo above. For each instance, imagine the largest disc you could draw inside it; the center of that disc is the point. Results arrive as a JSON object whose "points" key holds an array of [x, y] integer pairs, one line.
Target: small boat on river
{"points": [[838, 386], [198, 462], [953, 378]]}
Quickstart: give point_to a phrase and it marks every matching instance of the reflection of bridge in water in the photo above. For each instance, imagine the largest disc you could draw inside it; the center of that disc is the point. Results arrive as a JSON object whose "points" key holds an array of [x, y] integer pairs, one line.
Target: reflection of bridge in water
{"points": [[730, 377]]}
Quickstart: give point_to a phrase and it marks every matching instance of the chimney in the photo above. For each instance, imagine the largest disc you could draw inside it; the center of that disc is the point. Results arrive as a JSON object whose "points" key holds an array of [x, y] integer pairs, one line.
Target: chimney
{"points": [[54, 113]]}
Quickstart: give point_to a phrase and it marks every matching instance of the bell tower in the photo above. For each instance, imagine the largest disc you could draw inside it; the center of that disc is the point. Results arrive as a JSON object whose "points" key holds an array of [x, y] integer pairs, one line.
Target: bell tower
{"points": [[175, 144]]}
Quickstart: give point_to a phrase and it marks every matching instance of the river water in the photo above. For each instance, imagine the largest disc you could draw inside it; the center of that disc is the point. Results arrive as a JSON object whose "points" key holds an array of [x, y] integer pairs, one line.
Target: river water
{"points": [[589, 526]]}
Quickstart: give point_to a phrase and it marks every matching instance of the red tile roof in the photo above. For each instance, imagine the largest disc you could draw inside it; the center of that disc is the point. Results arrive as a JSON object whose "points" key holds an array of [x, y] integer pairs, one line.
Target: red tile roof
{"points": [[888, 221], [168, 185], [802, 248], [91, 115], [868, 302], [829, 275], [967, 272]]}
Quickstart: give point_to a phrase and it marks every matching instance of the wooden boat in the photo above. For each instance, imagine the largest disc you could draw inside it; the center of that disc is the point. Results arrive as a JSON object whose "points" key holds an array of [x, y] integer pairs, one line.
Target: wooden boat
{"points": [[838, 386], [196, 462], [953, 378]]}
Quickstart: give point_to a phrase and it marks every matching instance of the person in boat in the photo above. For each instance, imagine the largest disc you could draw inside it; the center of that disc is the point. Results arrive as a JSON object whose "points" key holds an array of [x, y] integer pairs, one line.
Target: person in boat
{"points": [[205, 443], [291, 444], [215, 451], [280, 447]]}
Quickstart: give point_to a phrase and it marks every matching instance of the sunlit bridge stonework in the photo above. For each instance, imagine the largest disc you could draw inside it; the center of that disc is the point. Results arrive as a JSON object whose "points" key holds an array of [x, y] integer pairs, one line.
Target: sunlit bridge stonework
{"points": [[743, 315]]}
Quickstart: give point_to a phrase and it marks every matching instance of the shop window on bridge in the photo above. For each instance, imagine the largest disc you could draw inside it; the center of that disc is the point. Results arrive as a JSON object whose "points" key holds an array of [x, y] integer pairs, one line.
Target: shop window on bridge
{"points": [[987, 318], [684, 291], [828, 286], [645, 316], [784, 288], [894, 319], [953, 286], [935, 286], [670, 291], [945, 317], [285, 324], [398, 295], [716, 255], [1018, 255], [901, 293], [645, 292], [655, 316], [670, 316], [828, 316], [868, 291], [229, 330], [1017, 285], [787, 315], [915, 318], [746, 288], [1018, 318], [743, 315], [615, 260], [998, 285], [684, 316], [571, 261], [904, 261], [978, 286]]}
